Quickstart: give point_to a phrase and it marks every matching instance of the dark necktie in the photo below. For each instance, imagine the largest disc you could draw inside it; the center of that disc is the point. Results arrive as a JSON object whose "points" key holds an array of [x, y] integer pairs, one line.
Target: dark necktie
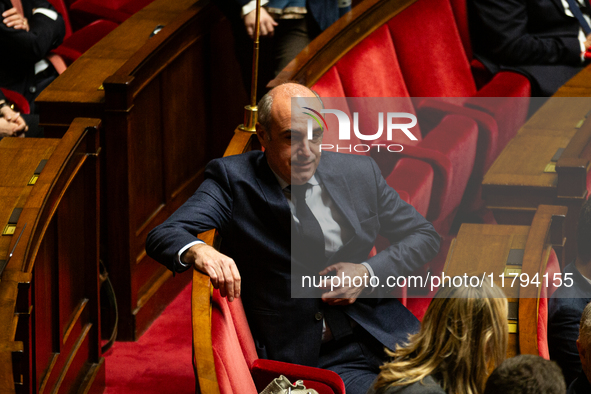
{"points": [[310, 230], [574, 8], [313, 240]]}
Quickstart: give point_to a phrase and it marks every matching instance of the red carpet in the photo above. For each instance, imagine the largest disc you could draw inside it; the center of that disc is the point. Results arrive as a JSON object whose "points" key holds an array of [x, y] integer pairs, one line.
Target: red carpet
{"points": [[160, 362]]}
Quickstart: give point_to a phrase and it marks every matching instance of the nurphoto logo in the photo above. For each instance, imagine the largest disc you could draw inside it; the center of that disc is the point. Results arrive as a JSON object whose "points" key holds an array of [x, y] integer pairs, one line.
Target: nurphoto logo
{"points": [[391, 119]]}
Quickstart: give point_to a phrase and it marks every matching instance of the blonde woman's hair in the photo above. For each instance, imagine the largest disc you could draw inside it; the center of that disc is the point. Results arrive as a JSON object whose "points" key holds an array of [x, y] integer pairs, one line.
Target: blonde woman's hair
{"points": [[463, 336]]}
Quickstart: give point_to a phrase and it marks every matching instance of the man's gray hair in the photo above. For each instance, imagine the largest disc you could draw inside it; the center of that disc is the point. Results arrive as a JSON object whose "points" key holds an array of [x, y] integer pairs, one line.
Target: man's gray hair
{"points": [[585, 327], [266, 104], [264, 107]]}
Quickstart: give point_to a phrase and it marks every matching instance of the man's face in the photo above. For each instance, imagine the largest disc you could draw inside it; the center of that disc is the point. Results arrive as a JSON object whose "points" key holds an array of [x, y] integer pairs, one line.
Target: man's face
{"points": [[289, 152]]}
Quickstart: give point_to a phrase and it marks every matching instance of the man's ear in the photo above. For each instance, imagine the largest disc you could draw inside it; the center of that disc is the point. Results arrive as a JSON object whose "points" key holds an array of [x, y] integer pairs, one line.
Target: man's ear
{"points": [[262, 135]]}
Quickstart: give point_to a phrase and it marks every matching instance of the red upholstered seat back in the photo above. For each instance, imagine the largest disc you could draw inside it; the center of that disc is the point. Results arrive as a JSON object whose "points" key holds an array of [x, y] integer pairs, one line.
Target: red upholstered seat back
{"points": [[60, 6], [229, 348], [431, 53], [329, 87], [460, 10], [371, 69], [243, 331], [20, 102]]}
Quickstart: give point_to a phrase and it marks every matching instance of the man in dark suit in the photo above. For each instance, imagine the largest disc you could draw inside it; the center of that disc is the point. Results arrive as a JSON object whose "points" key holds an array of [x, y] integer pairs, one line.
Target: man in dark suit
{"points": [[567, 303], [581, 384], [539, 38], [29, 30], [288, 212]]}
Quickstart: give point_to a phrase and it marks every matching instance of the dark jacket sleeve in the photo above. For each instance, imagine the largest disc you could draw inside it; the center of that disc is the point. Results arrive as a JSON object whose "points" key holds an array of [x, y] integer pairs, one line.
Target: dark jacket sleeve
{"points": [[413, 240], [210, 207], [30, 47], [502, 31], [563, 331]]}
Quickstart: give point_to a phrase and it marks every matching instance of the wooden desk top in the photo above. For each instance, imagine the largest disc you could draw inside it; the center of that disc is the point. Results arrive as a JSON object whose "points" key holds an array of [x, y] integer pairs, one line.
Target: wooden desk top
{"points": [[81, 82], [524, 160], [18, 160]]}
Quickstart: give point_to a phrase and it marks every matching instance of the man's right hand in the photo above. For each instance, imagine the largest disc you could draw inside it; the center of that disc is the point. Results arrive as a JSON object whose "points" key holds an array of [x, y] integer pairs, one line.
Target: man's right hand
{"points": [[588, 42], [267, 23], [221, 269]]}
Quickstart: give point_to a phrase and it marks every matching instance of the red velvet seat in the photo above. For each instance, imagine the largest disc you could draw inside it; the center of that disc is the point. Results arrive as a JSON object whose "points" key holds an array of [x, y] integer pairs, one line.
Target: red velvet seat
{"points": [[76, 43], [437, 50], [112, 10], [449, 148], [411, 178], [20, 103], [481, 75], [237, 366]]}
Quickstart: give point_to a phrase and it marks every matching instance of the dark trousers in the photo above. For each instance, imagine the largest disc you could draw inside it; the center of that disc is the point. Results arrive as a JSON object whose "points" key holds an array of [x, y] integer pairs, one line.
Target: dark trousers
{"points": [[356, 358]]}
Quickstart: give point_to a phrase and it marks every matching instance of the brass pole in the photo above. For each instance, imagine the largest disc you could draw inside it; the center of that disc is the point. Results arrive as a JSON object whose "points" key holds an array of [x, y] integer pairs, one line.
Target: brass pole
{"points": [[251, 111]]}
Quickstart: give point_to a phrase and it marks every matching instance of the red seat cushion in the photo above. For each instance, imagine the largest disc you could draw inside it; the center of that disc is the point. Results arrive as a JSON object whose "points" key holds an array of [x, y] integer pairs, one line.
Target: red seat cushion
{"points": [[232, 370], [20, 102]]}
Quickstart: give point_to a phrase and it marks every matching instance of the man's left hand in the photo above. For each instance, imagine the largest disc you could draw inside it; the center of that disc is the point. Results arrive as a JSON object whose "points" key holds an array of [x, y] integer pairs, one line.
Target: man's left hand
{"points": [[345, 294]]}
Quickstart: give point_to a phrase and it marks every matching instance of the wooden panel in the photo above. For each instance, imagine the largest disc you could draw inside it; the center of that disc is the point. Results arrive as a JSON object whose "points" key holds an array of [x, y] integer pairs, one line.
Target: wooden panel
{"points": [[49, 290], [160, 133], [524, 175], [166, 112], [78, 89], [485, 248]]}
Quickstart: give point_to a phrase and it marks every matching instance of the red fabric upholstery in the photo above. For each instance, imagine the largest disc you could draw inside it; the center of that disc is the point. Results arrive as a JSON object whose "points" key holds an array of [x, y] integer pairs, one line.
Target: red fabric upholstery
{"points": [[460, 11], [412, 179], [415, 179], [76, 43], [451, 147], [236, 362], [20, 103], [231, 368], [438, 51], [552, 267], [323, 381], [112, 10]]}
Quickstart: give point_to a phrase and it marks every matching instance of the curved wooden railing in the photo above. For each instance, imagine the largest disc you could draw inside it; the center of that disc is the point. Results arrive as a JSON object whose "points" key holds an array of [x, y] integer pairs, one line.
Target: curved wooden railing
{"points": [[49, 287], [326, 50]]}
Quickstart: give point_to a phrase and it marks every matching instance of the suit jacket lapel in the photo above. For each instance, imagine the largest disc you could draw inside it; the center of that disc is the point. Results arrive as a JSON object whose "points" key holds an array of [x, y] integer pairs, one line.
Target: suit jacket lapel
{"points": [[273, 194]]}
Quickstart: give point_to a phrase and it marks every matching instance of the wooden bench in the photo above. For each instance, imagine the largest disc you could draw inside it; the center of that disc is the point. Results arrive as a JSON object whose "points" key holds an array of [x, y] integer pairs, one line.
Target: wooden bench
{"points": [[49, 263]]}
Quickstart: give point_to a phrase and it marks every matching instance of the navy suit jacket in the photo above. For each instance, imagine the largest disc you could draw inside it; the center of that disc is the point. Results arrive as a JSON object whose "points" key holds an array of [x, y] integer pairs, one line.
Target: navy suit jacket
{"points": [[581, 385], [242, 199], [534, 37], [564, 315]]}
